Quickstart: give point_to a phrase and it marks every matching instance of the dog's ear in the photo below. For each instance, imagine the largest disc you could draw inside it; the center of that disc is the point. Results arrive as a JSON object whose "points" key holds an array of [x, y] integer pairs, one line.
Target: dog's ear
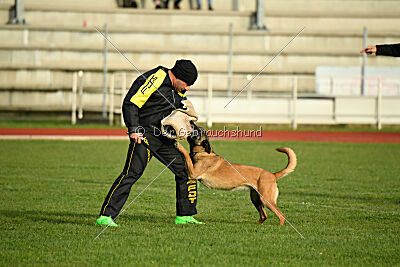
{"points": [[206, 146]]}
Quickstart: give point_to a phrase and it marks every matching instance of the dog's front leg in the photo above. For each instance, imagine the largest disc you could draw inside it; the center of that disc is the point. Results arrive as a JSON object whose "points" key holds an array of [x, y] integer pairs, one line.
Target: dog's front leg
{"points": [[189, 163]]}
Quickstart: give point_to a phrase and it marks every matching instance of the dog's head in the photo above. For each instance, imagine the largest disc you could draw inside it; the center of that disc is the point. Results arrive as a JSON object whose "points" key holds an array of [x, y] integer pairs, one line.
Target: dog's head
{"points": [[199, 138]]}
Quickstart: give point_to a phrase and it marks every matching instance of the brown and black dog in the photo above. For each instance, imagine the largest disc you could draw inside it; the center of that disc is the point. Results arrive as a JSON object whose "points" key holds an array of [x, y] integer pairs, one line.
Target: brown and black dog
{"points": [[215, 172]]}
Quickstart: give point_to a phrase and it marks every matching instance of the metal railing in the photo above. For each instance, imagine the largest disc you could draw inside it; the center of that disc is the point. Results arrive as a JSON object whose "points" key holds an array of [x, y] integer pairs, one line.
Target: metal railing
{"points": [[120, 92], [295, 102], [301, 107], [77, 96]]}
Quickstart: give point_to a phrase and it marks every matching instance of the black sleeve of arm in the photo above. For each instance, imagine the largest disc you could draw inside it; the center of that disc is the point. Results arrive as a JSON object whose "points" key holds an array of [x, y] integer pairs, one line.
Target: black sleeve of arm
{"points": [[129, 110], [131, 116], [388, 50]]}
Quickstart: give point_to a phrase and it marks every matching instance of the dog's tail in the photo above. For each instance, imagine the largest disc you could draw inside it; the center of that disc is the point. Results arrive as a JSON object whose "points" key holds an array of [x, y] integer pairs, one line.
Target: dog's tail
{"points": [[292, 162]]}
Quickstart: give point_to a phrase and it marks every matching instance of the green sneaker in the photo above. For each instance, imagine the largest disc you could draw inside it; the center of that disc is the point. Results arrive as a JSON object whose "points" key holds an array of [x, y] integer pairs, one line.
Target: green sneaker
{"points": [[186, 220], [106, 221]]}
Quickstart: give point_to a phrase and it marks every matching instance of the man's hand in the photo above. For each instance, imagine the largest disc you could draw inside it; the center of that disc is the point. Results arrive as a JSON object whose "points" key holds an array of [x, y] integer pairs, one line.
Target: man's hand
{"points": [[369, 50], [137, 137]]}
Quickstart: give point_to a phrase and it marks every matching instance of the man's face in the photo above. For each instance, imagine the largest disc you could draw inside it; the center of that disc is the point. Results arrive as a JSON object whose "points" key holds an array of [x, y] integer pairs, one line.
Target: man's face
{"points": [[180, 86]]}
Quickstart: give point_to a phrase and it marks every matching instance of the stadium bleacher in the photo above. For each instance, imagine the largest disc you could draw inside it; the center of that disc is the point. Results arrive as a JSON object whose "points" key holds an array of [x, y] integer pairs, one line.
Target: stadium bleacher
{"points": [[37, 60]]}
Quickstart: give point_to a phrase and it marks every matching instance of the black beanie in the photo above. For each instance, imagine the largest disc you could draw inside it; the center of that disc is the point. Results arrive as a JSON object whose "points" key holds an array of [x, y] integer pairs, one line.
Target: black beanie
{"points": [[185, 70]]}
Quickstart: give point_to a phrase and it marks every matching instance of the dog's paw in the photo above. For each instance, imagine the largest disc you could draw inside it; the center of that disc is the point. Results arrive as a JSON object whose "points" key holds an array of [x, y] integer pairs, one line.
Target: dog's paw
{"points": [[260, 221]]}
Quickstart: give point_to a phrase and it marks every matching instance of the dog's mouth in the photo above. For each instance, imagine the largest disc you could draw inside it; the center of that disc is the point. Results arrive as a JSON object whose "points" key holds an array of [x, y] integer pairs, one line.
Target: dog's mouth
{"points": [[196, 132], [197, 136], [194, 140], [190, 140]]}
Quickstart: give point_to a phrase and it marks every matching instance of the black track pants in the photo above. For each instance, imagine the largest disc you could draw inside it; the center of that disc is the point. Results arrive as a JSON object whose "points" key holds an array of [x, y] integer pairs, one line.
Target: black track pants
{"points": [[136, 161]]}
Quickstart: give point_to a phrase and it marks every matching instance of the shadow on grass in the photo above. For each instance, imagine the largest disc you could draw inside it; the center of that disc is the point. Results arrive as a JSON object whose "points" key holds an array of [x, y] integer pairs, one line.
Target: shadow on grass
{"points": [[53, 217], [148, 218], [56, 217], [161, 218], [340, 196], [91, 182]]}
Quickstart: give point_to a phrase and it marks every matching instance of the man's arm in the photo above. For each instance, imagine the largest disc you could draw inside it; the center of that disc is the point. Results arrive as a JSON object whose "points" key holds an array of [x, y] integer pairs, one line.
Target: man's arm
{"points": [[388, 50], [131, 117], [131, 114], [383, 50]]}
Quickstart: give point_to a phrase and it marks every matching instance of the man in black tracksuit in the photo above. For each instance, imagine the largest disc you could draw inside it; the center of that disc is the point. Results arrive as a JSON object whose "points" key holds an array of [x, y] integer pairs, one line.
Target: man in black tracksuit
{"points": [[148, 101], [392, 50]]}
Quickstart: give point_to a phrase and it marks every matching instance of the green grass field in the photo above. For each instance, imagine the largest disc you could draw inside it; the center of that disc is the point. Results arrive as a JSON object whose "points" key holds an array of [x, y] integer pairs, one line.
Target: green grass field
{"points": [[344, 198]]}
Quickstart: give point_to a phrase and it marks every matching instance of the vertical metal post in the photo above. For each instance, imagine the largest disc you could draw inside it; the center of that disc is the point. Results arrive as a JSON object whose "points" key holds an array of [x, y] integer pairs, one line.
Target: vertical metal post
{"points": [[364, 63], [104, 110], [123, 93], [17, 13], [209, 100], [331, 84], [334, 109], [20, 11], [235, 5], [294, 103], [379, 104], [230, 59], [260, 14], [73, 100], [111, 103], [80, 95], [258, 23]]}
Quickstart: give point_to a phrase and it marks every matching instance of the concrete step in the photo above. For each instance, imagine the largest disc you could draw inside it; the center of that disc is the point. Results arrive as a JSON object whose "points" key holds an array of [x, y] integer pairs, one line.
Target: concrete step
{"points": [[36, 99], [53, 80], [95, 4], [78, 16], [126, 17], [333, 25], [62, 100], [4, 16], [304, 8], [242, 63], [244, 42]]}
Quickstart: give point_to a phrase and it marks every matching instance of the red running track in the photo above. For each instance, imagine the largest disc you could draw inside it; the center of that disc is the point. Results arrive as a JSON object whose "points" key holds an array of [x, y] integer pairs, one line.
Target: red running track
{"points": [[312, 136]]}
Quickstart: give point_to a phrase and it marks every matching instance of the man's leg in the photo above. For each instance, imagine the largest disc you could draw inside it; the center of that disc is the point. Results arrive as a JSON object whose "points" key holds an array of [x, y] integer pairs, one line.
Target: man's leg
{"points": [[136, 161]]}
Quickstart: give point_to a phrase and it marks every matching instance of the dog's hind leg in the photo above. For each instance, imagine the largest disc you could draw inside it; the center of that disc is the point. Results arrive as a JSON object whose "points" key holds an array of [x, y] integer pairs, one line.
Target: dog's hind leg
{"points": [[255, 199], [278, 213], [269, 198]]}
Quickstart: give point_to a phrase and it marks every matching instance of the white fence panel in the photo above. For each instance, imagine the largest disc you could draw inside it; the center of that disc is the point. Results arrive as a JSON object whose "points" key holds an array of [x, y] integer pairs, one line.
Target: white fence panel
{"points": [[342, 81]]}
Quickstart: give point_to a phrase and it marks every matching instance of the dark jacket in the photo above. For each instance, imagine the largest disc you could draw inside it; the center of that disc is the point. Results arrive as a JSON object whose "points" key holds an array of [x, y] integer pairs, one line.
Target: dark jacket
{"points": [[388, 50], [150, 100]]}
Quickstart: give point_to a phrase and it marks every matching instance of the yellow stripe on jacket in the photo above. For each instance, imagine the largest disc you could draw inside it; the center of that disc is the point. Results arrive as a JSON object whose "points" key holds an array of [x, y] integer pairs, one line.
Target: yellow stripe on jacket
{"points": [[152, 83]]}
